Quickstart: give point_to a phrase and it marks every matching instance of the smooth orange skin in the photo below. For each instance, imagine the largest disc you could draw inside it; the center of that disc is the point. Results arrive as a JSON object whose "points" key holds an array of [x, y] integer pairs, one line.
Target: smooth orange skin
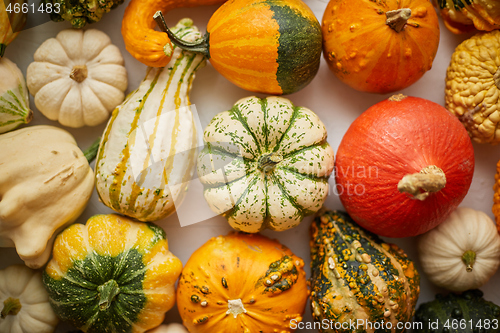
{"points": [[141, 40], [389, 141], [242, 260], [368, 55]]}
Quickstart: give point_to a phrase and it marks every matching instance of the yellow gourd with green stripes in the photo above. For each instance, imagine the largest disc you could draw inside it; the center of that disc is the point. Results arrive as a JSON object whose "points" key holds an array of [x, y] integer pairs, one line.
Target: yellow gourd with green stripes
{"points": [[112, 275], [147, 152]]}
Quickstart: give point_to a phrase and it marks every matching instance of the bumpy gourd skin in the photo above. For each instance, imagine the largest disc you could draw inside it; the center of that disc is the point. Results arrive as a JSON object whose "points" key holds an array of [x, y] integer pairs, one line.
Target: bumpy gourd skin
{"points": [[462, 16], [469, 311], [473, 86], [357, 277], [79, 13]]}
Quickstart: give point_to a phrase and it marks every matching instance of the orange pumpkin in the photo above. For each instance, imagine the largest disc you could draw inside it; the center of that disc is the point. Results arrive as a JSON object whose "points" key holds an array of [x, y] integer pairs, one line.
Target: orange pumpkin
{"points": [[242, 283], [11, 22], [380, 46]]}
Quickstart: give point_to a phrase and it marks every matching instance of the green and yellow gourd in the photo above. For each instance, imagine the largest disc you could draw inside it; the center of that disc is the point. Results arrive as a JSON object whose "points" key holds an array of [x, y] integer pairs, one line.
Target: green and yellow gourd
{"points": [[148, 153], [112, 275], [358, 279]]}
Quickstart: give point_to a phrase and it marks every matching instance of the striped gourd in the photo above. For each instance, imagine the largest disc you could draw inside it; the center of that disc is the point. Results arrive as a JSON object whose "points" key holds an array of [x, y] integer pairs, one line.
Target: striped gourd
{"points": [[266, 164], [148, 149], [14, 97], [358, 279]]}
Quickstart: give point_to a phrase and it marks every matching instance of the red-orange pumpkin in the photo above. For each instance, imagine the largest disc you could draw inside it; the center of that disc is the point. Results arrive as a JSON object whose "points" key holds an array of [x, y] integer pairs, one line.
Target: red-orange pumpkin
{"points": [[380, 46], [403, 166]]}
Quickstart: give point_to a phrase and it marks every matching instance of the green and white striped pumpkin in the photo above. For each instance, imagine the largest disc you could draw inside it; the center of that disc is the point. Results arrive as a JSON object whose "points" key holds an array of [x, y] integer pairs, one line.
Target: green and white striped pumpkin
{"points": [[14, 97], [148, 150], [356, 278], [266, 164]]}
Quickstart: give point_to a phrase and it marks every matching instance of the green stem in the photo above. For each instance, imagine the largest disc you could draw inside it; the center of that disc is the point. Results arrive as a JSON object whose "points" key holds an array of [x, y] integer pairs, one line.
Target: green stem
{"points": [[91, 152], [107, 292], [268, 162], [469, 258], [2, 49], [200, 46], [11, 306]]}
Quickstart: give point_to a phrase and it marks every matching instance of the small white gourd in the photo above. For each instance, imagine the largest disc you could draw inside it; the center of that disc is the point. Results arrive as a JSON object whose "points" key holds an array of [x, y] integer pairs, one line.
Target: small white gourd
{"points": [[463, 252], [24, 302], [77, 78], [171, 328]]}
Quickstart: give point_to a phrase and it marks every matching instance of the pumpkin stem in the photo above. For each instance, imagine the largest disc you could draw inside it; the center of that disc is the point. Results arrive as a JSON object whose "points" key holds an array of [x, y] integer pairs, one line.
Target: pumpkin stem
{"points": [[11, 306], [420, 185], [2, 49], [235, 307], [79, 73], [107, 292], [268, 162], [91, 152], [200, 46], [469, 258], [397, 19]]}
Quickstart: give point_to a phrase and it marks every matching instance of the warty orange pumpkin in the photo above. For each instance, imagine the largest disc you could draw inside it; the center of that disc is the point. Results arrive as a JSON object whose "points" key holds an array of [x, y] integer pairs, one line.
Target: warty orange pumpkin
{"points": [[380, 46], [242, 283]]}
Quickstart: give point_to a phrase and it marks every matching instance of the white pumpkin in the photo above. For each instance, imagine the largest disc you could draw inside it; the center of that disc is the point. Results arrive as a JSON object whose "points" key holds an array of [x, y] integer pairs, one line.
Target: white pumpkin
{"points": [[266, 164], [24, 302], [77, 78], [171, 328], [463, 252], [14, 98]]}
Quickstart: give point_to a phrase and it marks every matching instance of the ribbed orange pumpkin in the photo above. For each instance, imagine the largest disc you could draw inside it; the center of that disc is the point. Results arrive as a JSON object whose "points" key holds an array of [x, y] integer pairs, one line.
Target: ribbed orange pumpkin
{"points": [[242, 283], [380, 46], [11, 23]]}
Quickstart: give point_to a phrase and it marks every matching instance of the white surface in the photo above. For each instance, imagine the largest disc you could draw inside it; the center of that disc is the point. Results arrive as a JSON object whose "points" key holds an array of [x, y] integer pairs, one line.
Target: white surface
{"points": [[336, 104]]}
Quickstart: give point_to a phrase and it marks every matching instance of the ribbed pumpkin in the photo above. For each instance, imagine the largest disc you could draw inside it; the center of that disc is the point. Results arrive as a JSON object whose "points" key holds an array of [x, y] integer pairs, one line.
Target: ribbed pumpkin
{"points": [[266, 164], [147, 153], [461, 16], [355, 276], [380, 46], [242, 283], [11, 23], [112, 275], [403, 166]]}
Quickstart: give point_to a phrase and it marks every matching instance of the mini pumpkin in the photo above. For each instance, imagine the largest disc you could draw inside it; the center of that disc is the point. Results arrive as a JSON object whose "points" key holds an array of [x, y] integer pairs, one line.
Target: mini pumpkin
{"points": [[473, 86], [380, 46], [266, 164], [77, 78], [463, 252], [24, 302], [461, 16], [112, 275], [242, 283]]}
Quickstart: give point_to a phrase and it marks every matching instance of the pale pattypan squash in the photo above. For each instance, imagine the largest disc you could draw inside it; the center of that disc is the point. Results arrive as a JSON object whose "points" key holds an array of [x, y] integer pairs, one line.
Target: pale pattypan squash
{"points": [[77, 78], [463, 252], [171, 328], [24, 302], [14, 98], [473, 86], [45, 184]]}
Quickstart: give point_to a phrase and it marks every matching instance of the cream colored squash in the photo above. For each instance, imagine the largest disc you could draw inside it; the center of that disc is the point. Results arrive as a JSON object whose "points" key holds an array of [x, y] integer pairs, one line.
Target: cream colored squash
{"points": [[14, 98], [24, 302], [266, 164], [171, 328], [148, 148], [77, 78], [45, 184], [463, 252]]}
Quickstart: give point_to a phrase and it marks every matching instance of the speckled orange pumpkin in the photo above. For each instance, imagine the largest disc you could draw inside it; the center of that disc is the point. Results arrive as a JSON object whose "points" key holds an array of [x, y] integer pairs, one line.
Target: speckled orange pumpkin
{"points": [[242, 283], [380, 46]]}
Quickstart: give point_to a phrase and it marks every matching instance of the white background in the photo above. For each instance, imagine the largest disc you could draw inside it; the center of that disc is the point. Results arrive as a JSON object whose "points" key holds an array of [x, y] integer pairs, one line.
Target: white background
{"points": [[335, 103]]}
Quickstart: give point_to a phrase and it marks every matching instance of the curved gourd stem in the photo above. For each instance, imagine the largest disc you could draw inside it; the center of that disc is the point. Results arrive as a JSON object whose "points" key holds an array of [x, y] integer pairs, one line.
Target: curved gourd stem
{"points": [[11, 306], [420, 185], [107, 292], [91, 152], [469, 259], [397, 19], [196, 47]]}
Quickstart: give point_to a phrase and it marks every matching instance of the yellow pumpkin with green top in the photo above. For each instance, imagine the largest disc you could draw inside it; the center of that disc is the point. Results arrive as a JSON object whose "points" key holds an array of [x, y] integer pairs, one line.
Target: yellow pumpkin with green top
{"points": [[356, 278], [112, 275]]}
